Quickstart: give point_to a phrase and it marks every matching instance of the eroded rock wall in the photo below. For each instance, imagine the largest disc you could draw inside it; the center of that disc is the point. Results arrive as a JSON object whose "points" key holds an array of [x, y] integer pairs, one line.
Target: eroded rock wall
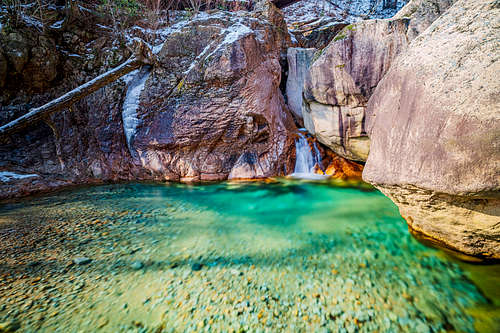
{"points": [[213, 101], [342, 79]]}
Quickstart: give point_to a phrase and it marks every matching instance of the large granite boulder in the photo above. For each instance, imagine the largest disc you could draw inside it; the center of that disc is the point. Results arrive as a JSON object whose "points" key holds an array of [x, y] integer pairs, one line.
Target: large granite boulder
{"points": [[222, 75], [434, 125], [211, 108], [342, 79]]}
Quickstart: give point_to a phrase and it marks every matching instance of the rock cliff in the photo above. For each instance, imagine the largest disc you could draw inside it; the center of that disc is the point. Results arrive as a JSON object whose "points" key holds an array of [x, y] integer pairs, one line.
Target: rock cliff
{"points": [[434, 125], [342, 79], [210, 109]]}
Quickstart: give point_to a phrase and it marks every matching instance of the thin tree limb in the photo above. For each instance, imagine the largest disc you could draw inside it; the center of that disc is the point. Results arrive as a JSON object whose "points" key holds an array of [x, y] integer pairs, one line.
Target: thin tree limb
{"points": [[143, 56]]}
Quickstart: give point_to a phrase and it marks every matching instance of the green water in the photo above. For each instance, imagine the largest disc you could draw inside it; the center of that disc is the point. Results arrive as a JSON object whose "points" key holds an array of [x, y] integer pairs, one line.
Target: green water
{"points": [[285, 256]]}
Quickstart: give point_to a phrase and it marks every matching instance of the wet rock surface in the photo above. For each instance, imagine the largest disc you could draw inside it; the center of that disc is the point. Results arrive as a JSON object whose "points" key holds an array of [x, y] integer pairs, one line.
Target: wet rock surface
{"points": [[299, 61]]}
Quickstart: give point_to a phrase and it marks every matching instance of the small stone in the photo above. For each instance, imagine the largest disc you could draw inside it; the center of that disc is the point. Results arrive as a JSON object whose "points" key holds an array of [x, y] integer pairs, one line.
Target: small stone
{"points": [[137, 265], [9, 326], [236, 272], [82, 260], [196, 266], [102, 322]]}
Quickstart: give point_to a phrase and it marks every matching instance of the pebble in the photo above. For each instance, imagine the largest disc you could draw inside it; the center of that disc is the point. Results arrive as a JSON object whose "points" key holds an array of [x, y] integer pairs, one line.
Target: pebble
{"points": [[196, 267], [82, 260], [282, 290], [9, 326], [137, 265]]}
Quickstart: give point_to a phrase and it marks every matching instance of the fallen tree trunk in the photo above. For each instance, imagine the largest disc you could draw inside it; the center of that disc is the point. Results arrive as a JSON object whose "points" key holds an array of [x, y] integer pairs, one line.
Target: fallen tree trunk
{"points": [[204, 5], [142, 56]]}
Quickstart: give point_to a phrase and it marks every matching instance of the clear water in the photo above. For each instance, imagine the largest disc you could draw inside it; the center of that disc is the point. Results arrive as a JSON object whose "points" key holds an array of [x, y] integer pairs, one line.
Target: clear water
{"points": [[283, 256]]}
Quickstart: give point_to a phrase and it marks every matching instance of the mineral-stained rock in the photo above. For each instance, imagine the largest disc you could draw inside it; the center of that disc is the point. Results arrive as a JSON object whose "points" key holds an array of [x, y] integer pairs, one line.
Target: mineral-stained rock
{"points": [[342, 79], [434, 125], [299, 60], [213, 99], [217, 100]]}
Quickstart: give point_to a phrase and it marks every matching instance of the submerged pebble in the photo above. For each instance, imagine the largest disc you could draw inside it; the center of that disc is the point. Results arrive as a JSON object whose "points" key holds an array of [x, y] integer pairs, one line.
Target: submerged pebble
{"points": [[251, 258], [82, 260]]}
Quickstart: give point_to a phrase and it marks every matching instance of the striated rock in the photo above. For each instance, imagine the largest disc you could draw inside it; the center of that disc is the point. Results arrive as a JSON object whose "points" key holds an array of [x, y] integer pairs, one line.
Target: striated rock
{"points": [[222, 103], [212, 101], [299, 61], [422, 13], [435, 127], [247, 167], [342, 79]]}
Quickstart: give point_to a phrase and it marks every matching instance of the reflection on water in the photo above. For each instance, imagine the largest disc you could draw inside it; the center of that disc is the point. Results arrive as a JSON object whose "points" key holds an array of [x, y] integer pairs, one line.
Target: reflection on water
{"points": [[287, 256]]}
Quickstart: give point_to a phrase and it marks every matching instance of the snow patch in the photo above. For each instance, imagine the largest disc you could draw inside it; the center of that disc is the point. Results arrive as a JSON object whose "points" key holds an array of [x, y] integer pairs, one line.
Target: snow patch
{"points": [[57, 25], [127, 78], [32, 22], [131, 104], [306, 11], [236, 32], [8, 176]]}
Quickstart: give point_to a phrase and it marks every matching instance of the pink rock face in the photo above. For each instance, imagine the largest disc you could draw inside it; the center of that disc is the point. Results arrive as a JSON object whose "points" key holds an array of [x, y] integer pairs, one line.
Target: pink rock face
{"points": [[342, 79], [434, 126], [213, 99], [222, 102]]}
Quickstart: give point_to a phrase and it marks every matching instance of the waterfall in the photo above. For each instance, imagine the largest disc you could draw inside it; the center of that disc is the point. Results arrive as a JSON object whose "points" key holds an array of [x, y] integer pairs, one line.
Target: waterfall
{"points": [[306, 159]]}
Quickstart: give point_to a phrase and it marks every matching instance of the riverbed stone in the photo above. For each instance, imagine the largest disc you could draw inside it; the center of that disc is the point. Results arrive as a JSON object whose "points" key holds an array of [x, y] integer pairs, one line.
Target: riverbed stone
{"points": [[82, 260], [9, 326]]}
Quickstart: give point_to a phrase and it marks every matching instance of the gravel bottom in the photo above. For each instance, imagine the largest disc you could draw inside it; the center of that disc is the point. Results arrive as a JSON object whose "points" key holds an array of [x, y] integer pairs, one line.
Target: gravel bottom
{"points": [[292, 257]]}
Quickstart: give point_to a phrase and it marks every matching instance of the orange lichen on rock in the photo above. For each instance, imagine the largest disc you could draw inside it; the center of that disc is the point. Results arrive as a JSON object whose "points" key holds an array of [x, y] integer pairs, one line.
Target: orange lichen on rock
{"points": [[340, 168]]}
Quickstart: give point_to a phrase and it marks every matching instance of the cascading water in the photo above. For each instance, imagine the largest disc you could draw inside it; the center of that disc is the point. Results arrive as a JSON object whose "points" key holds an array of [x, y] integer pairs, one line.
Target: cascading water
{"points": [[306, 159]]}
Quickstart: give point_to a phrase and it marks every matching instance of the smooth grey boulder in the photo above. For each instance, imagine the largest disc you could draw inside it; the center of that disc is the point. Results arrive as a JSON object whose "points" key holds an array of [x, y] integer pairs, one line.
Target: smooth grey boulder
{"points": [[299, 61]]}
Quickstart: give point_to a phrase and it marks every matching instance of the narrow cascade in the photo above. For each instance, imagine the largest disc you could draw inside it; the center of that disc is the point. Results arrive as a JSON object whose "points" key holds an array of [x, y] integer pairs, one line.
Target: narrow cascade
{"points": [[306, 159]]}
